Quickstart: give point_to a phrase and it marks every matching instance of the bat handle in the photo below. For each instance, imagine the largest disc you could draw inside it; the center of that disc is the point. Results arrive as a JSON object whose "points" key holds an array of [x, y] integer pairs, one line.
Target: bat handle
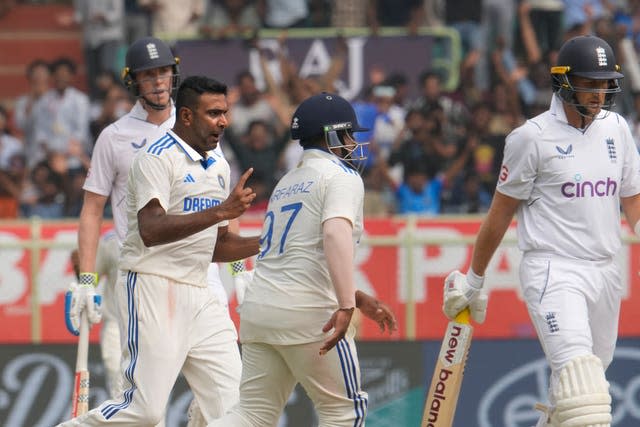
{"points": [[80, 400], [464, 316]]}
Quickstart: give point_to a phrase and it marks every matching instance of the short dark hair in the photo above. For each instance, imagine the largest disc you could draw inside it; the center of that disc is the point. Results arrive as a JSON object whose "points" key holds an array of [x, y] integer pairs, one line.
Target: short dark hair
{"points": [[428, 74], [192, 87], [244, 74], [63, 62], [35, 64]]}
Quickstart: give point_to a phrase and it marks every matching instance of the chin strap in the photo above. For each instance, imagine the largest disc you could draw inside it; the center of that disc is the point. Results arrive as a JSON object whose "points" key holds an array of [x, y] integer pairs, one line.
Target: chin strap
{"points": [[157, 107]]}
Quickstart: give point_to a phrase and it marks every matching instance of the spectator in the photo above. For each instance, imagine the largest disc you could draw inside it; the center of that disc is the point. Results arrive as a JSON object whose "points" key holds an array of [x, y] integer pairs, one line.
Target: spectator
{"points": [[465, 16], [468, 196], [283, 13], [11, 151], [102, 23], [545, 18], [486, 158], [419, 193], [250, 106], [260, 149], [378, 196], [496, 23], [229, 18], [398, 13], [388, 123], [579, 16], [103, 82], [171, 20], [398, 81], [352, 13], [417, 143], [62, 117], [454, 113], [116, 104], [137, 21], [39, 80], [45, 193]]}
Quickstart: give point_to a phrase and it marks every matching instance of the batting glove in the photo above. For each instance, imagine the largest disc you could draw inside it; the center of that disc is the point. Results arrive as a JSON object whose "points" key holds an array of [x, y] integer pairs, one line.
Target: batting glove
{"points": [[241, 279], [82, 296], [461, 291]]}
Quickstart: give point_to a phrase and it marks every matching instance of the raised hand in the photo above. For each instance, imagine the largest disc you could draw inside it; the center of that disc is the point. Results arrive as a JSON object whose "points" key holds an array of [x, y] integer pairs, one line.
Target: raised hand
{"points": [[240, 197]]}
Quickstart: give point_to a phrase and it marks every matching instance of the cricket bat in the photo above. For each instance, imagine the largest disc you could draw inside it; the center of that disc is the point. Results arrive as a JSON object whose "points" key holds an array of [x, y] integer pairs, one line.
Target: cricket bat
{"points": [[80, 402], [442, 397]]}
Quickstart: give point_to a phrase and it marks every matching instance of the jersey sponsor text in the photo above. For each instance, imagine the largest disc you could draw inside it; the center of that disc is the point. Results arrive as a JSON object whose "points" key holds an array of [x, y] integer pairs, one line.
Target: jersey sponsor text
{"points": [[600, 188], [197, 204]]}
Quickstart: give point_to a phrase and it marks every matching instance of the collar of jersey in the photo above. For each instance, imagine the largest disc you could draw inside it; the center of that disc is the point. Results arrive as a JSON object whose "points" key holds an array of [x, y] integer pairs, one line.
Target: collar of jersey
{"points": [[138, 111], [317, 153], [190, 152], [557, 109]]}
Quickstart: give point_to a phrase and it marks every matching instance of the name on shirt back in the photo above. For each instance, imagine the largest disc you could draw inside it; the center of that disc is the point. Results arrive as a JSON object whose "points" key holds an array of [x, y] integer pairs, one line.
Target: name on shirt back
{"points": [[284, 192]]}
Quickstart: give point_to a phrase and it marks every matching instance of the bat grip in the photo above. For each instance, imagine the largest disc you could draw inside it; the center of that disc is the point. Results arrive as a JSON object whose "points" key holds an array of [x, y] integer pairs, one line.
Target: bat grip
{"points": [[83, 343], [464, 316]]}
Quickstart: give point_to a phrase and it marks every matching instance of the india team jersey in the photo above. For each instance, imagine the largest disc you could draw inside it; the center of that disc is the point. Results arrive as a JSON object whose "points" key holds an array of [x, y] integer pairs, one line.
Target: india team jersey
{"points": [[570, 182], [292, 296], [112, 155], [183, 182]]}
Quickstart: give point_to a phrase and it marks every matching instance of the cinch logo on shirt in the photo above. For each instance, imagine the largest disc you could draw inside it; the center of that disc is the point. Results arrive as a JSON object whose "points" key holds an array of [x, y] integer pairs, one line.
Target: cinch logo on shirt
{"points": [[197, 204], [600, 188]]}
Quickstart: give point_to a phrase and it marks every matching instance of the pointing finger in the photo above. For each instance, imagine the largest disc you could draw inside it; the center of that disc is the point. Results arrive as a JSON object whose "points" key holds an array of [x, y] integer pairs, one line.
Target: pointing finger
{"points": [[243, 179]]}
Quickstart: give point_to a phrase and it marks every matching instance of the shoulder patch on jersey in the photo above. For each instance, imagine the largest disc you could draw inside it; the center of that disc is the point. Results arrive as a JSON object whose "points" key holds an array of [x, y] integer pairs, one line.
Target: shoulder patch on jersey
{"points": [[160, 145]]}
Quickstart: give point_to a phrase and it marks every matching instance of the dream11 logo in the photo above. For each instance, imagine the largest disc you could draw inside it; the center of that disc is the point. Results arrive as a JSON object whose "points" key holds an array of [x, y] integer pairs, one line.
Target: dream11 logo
{"points": [[504, 404]]}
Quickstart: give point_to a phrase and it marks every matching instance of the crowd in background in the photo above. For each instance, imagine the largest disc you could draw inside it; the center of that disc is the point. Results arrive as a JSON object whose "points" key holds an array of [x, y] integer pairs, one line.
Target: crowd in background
{"points": [[435, 153]]}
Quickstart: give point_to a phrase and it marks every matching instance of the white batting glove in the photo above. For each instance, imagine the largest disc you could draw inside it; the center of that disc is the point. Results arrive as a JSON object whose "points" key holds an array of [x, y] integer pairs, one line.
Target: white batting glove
{"points": [[79, 297], [461, 291], [241, 279]]}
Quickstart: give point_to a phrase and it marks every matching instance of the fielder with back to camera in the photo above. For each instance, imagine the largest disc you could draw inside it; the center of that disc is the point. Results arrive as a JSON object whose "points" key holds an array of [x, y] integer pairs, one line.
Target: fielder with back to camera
{"points": [[566, 174], [151, 74], [295, 319]]}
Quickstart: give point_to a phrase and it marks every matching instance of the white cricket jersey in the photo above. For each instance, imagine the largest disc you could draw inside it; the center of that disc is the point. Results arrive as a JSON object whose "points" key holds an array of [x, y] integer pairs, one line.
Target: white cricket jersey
{"points": [[172, 172], [570, 182], [112, 155], [292, 296]]}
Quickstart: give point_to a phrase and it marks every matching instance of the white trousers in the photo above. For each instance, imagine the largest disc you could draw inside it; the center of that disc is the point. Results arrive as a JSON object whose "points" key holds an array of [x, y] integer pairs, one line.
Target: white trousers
{"points": [[270, 373], [574, 306], [167, 328]]}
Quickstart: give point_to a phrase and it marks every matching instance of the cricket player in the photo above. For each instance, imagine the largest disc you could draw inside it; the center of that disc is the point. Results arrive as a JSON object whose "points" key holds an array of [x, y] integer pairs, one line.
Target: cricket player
{"points": [[566, 174], [151, 75], [295, 318], [178, 207]]}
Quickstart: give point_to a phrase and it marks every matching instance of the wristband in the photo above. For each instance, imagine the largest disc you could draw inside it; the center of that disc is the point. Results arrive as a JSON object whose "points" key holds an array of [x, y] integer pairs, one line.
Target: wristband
{"points": [[636, 228], [236, 267], [86, 279], [349, 309], [474, 280]]}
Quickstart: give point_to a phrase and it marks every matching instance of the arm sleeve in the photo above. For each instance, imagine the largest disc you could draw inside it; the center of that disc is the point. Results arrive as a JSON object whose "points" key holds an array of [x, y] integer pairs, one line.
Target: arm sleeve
{"points": [[102, 173], [520, 163], [630, 183], [344, 195], [150, 178]]}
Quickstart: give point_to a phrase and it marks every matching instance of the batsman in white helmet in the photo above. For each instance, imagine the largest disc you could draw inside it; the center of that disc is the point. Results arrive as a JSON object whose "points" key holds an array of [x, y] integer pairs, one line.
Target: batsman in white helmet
{"points": [[566, 174]]}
